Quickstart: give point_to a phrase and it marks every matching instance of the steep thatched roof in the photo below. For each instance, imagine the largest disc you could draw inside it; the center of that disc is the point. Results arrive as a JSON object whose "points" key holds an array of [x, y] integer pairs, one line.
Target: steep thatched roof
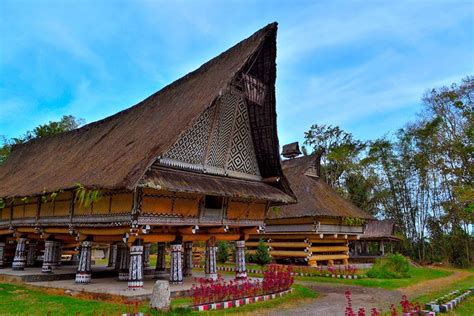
{"points": [[380, 229], [115, 153], [315, 197]]}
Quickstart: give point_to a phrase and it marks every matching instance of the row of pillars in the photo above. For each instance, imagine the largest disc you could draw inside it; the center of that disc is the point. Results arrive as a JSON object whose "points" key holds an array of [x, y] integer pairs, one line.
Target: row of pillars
{"points": [[128, 261]]}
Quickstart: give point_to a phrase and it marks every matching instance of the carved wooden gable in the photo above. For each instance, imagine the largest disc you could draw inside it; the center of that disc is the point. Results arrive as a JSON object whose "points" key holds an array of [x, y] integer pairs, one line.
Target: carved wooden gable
{"points": [[219, 142]]}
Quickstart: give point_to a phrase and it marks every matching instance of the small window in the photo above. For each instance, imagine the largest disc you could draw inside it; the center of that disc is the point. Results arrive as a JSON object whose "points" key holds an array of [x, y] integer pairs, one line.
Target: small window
{"points": [[213, 202], [212, 208]]}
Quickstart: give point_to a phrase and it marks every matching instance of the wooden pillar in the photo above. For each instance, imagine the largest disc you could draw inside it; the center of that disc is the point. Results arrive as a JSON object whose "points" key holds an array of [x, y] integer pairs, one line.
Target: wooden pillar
{"points": [[19, 261], [48, 256], [58, 249], [124, 262], [160, 268], [188, 259], [211, 263], [176, 268], [31, 255], [112, 255], [382, 248], [2, 254], [135, 276], [146, 255], [240, 268], [83, 275]]}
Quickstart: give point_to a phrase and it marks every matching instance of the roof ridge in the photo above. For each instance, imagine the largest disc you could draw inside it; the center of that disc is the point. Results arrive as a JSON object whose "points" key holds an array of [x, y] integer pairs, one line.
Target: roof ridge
{"points": [[203, 67]]}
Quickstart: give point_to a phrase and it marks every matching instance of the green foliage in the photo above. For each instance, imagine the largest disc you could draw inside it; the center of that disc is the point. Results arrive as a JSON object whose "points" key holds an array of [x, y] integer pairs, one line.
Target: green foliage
{"points": [[222, 254], [394, 266], [67, 123], [353, 221], [2, 203], [86, 197], [262, 255]]}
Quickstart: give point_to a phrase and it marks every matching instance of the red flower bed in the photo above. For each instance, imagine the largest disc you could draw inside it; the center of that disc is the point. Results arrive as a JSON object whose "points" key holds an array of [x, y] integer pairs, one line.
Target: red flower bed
{"points": [[276, 278]]}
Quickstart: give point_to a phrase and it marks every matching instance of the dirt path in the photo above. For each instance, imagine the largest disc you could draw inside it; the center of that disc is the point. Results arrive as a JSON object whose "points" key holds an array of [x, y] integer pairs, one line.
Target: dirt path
{"points": [[434, 285], [332, 300]]}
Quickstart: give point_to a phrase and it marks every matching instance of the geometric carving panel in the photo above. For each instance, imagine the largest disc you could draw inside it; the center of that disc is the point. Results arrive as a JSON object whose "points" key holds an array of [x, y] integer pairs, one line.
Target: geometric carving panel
{"points": [[242, 154]]}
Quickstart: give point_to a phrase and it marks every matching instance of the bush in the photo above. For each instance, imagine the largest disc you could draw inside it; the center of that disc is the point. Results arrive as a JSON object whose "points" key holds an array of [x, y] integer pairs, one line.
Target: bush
{"points": [[222, 254], [262, 255], [395, 266]]}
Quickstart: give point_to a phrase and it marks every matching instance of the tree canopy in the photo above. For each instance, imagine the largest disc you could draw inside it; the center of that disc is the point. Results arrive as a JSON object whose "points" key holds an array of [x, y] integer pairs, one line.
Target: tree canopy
{"points": [[422, 177], [67, 123]]}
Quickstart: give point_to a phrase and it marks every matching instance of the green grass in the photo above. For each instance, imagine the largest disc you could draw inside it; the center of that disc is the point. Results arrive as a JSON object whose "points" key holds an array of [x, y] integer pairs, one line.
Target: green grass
{"points": [[20, 300], [416, 275], [465, 308]]}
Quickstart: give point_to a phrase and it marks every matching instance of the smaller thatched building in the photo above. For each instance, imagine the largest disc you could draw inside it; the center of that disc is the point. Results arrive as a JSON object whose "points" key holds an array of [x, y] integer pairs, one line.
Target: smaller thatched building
{"points": [[371, 244], [318, 228]]}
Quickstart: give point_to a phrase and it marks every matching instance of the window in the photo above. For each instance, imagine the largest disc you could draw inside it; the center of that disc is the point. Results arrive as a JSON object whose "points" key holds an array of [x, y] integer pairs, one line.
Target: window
{"points": [[212, 208], [213, 202]]}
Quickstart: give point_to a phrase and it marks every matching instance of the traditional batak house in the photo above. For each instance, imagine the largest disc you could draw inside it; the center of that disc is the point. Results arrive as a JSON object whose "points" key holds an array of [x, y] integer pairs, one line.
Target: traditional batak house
{"points": [[319, 227], [196, 161], [379, 234]]}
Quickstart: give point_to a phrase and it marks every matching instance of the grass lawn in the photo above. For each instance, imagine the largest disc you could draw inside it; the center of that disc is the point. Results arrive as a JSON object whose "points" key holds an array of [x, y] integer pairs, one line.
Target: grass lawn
{"points": [[467, 306], [20, 300], [417, 275]]}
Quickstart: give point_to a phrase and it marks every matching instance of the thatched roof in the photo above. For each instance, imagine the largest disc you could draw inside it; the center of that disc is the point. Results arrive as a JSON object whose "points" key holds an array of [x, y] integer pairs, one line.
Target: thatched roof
{"points": [[116, 152], [380, 229], [315, 197]]}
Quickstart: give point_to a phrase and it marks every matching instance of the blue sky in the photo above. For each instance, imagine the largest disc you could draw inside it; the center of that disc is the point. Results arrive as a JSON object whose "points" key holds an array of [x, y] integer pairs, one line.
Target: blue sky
{"points": [[362, 65]]}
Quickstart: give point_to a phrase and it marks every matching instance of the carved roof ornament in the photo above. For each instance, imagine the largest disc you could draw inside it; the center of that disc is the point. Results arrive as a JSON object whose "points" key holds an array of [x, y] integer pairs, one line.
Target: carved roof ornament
{"points": [[291, 151], [254, 89]]}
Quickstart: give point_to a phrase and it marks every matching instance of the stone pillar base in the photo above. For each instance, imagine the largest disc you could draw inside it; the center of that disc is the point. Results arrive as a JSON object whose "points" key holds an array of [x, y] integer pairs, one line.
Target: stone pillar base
{"points": [[83, 278]]}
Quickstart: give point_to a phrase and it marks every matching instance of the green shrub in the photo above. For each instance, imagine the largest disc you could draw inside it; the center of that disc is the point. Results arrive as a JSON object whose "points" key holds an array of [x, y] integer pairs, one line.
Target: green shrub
{"points": [[222, 254], [394, 266], [262, 255]]}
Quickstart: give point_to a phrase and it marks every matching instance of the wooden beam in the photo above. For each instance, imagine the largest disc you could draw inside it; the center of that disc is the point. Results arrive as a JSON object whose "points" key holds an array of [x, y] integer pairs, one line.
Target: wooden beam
{"points": [[329, 248], [202, 237], [56, 230], [280, 244], [152, 238], [103, 231], [5, 232], [327, 257], [26, 230], [107, 239]]}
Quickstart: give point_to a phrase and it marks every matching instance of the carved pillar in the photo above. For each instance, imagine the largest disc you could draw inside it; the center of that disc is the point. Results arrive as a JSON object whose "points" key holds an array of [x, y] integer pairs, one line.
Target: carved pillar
{"points": [[124, 263], [31, 255], [188, 259], [83, 274], [176, 268], [146, 255], [112, 255], [2, 254], [118, 257], [211, 264], [19, 262], [135, 276], [240, 268], [48, 256], [160, 268], [57, 253]]}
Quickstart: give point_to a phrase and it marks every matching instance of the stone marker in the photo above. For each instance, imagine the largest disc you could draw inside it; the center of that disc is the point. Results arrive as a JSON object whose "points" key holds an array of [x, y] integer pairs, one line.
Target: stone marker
{"points": [[160, 298]]}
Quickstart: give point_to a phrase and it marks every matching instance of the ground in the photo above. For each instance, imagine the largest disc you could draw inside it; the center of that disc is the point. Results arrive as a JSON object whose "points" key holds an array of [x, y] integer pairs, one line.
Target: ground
{"points": [[425, 285]]}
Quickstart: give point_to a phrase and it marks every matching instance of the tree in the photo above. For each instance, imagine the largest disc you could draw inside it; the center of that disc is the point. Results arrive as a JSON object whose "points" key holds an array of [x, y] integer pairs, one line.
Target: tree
{"points": [[222, 251], [262, 255], [67, 123]]}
